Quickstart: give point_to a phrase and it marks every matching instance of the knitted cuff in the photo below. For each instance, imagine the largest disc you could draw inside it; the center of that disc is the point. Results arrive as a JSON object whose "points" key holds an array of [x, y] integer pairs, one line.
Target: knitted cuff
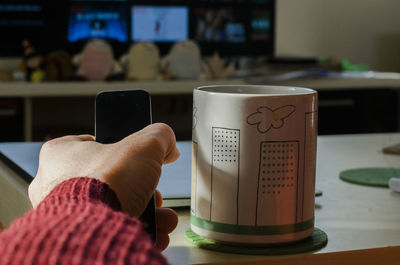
{"points": [[83, 189]]}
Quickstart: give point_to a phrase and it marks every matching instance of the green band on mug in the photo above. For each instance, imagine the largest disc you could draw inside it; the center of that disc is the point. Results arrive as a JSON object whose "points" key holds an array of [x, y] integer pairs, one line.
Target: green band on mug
{"points": [[251, 230]]}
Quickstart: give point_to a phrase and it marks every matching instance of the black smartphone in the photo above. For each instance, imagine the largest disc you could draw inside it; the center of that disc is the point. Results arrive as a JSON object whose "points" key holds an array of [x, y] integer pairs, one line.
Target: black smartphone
{"points": [[117, 115]]}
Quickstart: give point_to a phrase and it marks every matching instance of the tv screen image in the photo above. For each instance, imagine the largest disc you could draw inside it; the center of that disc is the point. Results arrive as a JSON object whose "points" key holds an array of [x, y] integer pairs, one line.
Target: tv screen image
{"points": [[223, 24], [89, 22], [99, 1], [260, 25], [261, 1], [160, 23], [229, 27]]}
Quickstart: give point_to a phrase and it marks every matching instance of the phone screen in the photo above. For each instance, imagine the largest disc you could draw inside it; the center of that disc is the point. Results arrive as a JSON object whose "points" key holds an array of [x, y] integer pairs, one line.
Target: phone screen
{"points": [[117, 115]]}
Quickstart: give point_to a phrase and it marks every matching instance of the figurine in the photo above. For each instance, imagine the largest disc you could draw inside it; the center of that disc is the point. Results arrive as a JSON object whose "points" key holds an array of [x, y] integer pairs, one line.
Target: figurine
{"points": [[33, 63], [59, 67], [142, 61], [96, 61], [218, 69], [183, 61]]}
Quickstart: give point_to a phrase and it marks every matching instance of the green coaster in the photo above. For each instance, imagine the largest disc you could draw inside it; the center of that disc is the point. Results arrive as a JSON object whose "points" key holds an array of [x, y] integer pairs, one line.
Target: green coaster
{"points": [[377, 177], [317, 240]]}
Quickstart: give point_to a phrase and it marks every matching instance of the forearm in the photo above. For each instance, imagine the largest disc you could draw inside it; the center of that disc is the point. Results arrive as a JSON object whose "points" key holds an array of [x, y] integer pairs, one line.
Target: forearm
{"points": [[78, 223]]}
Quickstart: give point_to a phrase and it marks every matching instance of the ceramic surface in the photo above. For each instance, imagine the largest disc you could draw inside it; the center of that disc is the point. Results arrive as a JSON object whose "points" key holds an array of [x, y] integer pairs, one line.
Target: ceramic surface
{"points": [[253, 163]]}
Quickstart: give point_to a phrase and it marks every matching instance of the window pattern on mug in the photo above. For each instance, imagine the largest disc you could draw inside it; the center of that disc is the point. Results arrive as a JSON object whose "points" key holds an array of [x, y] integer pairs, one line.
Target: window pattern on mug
{"points": [[225, 174], [278, 167], [277, 182], [225, 146]]}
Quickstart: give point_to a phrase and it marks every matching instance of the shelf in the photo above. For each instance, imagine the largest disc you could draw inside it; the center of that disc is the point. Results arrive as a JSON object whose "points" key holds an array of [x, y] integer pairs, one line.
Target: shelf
{"points": [[62, 89], [59, 108]]}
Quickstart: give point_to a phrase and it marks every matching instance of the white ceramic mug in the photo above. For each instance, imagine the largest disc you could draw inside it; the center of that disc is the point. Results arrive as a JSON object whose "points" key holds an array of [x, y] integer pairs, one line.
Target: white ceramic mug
{"points": [[253, 163]]}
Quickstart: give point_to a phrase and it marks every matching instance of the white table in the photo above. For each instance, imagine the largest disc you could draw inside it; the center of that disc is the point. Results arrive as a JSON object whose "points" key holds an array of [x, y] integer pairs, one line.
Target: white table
{"points": [[353, 216]]}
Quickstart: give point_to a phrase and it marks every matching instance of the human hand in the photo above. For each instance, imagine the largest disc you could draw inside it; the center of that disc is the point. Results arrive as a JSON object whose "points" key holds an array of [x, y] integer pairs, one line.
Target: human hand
{"points": [[131, 167], [166, 221]]}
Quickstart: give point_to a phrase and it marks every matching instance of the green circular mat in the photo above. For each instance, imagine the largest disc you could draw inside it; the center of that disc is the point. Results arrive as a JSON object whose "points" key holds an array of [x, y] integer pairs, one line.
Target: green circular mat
{"points": [[377, 177], [317, 240]]}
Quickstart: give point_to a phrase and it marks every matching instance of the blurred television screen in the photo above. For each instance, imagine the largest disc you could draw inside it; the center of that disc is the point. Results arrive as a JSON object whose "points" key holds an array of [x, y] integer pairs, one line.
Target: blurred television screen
{"points": [[88, 22], [229, 27], [222, 24], [160, 23], [260, 25]]}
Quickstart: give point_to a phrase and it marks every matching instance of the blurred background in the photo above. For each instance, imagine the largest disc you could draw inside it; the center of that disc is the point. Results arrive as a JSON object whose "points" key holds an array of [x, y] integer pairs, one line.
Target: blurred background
{"points": [[55, 56]]}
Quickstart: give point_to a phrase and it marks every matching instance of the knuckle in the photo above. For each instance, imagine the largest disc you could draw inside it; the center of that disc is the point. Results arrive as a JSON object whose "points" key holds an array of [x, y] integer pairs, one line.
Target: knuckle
{"points": [[50, 144], [47, 146], [163, 129], [53, 143]]}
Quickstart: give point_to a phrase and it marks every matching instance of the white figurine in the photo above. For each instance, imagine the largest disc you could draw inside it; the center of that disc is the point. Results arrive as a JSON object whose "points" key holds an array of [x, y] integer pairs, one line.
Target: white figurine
{"points": [[142, 61], [184, 60]]}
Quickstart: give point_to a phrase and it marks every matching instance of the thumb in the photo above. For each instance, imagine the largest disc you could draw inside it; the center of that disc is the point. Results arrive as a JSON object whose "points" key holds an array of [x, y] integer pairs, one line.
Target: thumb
{"points": [[143, 154], [157, 137]]}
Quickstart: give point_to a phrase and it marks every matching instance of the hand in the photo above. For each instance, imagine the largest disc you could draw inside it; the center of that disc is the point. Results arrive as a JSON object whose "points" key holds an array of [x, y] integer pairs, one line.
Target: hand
{"points": [[166, 221], [131, 167]]}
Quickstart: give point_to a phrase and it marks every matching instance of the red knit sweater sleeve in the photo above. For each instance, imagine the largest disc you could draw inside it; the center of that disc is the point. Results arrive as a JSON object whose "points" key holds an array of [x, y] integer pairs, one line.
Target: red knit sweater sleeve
{"points": [[79, 222]]}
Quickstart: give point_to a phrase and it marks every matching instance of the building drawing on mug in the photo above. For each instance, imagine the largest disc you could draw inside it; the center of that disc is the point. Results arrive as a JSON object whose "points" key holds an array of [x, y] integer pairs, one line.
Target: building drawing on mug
{"points": [[277, 178], [225, 175], [193, 197], [278, 174], [310, 151]]}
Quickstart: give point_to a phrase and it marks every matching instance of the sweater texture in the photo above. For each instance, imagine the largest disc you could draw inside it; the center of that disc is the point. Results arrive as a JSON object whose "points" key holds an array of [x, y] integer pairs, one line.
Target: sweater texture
{"points": [[79, 222]]}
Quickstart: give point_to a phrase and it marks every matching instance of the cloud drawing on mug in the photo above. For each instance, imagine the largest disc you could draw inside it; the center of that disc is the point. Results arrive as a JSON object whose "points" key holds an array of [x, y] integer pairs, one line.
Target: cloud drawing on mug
{"points": [[266, 118]]}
